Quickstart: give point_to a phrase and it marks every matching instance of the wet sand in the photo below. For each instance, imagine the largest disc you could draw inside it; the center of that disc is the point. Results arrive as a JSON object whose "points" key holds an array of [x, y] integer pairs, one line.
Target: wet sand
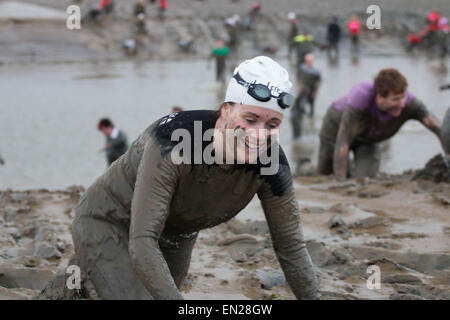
{"points": [[399, 224]]}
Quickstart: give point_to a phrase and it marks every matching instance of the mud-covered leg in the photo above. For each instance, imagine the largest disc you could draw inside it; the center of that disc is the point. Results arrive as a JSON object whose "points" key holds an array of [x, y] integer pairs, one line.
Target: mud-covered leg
{"points": [[325, 161], [102, 250], [367, 159], [177, 251]]}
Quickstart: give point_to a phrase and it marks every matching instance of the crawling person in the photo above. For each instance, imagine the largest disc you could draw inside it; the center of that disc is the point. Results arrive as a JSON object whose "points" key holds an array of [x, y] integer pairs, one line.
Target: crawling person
{"points": [[445, 134], [136, 226], [369, 113]]}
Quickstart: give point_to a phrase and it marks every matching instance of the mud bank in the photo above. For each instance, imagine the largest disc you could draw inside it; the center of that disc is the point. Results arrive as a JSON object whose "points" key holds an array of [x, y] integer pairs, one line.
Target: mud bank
{"points": [[45, 41], [400, 223]]}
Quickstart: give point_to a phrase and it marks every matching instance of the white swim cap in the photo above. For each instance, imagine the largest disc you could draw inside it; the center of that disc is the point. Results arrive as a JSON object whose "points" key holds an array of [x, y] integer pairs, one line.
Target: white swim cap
{"points": [[259, 70], [291, 15]]}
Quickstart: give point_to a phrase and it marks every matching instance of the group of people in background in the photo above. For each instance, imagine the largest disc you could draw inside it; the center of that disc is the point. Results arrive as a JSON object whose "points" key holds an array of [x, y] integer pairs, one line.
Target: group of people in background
{"points": [[371, 112], [434, 36]]}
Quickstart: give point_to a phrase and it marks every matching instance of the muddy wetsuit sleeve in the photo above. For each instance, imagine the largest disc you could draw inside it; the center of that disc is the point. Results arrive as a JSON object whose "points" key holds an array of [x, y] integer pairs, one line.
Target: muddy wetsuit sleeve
{"points": [[429, 120], [418, 111], [155, 185], [348, 128], [283, 218]]}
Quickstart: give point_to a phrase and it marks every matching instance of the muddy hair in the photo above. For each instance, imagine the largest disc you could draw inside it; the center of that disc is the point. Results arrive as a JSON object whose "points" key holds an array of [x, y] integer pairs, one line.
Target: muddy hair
{"points": [[389, 81]]}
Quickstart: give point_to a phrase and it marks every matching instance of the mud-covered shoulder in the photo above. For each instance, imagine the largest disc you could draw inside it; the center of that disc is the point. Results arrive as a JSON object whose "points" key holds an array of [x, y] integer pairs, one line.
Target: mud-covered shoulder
{"points": [[166, 126], [416, 109]]}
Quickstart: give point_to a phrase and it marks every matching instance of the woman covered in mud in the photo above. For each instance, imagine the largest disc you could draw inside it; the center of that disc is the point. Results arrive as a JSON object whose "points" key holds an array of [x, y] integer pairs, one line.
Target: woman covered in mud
{"points": [[136, 226]]}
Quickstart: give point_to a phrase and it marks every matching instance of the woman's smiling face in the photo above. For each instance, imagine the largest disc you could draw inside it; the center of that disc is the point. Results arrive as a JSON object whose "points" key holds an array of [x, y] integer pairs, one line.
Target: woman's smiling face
{"points": [[249, 130]]}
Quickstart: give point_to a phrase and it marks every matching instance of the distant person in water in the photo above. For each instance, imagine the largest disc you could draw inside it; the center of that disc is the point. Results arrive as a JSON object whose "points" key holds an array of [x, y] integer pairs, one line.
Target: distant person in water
{"points": [[2, 162], [162, 8], [231, 25], [293, 31], [220, 52], [304, 44], [354, 28], [139, 8], [308, 78], [104, 7], [130, 47], [333, 37], [116, 140], [369, 113]]}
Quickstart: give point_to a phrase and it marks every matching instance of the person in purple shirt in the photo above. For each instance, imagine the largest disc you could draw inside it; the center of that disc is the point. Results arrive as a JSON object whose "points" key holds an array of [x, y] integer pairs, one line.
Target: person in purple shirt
{"points": [[371, 112]]}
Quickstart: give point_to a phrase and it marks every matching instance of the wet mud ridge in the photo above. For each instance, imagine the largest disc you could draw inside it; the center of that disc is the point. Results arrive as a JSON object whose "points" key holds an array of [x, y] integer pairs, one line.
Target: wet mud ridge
{"points": [[399, 223]]}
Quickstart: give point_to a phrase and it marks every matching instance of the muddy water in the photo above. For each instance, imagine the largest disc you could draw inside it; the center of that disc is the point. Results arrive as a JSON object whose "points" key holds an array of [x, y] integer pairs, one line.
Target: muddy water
{"points": [[49, 113]]}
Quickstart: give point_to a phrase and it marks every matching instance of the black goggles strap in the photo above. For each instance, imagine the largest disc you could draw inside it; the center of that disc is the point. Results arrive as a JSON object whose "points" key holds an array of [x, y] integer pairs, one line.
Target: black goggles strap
{"points": [[241, 81], [244, 83]]}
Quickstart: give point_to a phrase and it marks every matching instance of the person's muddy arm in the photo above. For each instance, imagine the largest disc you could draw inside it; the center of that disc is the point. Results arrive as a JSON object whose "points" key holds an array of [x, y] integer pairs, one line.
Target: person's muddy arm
{"points": [[428, 119], [283, 219], [348, 128], [433, 124], [155, 184]]}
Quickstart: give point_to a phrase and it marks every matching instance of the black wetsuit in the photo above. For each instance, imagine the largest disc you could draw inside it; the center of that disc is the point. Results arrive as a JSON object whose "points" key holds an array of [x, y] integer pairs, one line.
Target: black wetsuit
{"points": [[333, 37], [135, 227], [116, 147]]}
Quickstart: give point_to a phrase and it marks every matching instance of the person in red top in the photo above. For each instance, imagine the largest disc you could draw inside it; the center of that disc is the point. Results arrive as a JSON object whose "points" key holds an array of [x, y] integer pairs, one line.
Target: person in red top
{"points": [[431, 38], [433, 20], [354, 27], [162, 8], [106, 6]]}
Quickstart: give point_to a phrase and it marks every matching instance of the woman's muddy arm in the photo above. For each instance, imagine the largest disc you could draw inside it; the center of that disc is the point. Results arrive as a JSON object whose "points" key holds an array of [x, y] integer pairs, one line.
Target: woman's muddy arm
{"points": [[283, 219], [347, 131], [155, 184]]}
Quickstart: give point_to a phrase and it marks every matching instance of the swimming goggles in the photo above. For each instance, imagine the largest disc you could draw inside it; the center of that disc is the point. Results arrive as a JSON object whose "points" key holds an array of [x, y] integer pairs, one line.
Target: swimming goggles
{"points": [[262, 92]]}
